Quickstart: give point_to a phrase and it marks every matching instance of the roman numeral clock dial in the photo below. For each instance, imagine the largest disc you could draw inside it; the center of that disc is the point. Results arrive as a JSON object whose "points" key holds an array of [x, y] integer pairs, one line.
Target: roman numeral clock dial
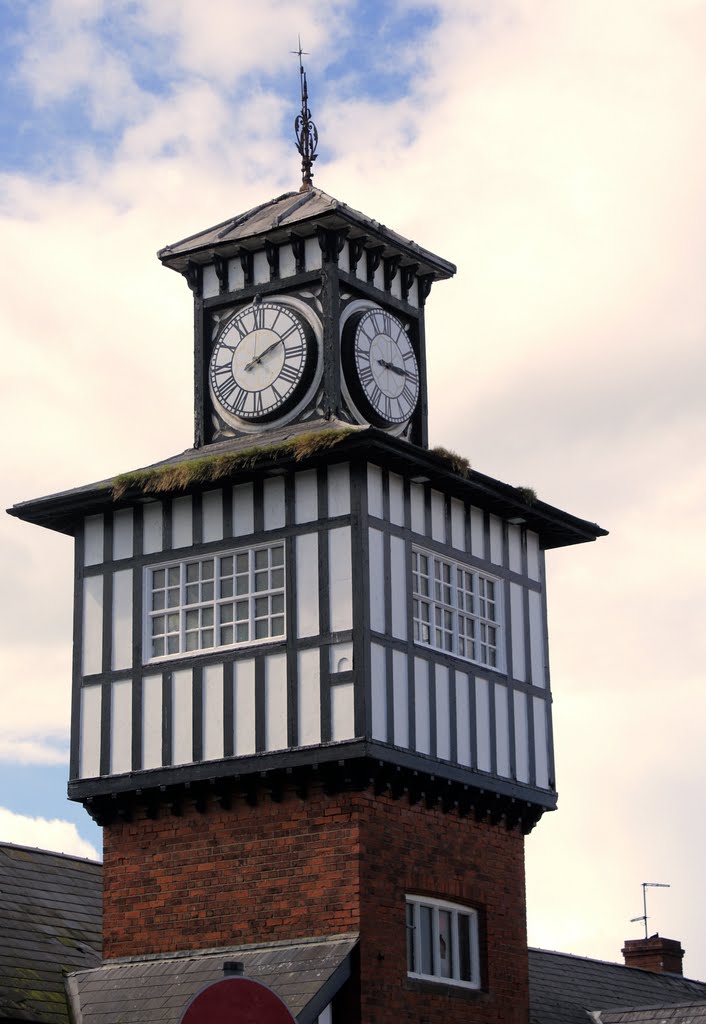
{"points": [[380, 367], [262, 363]]}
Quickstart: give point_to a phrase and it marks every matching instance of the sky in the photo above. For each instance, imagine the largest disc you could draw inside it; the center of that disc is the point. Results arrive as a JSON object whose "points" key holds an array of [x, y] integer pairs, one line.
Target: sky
{"points": [[555, 151]]}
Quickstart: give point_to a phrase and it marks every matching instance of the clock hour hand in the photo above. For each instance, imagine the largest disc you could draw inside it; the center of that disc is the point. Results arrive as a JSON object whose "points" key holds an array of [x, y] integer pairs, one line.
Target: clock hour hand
{"points": [[258, 359], [395, 369]]}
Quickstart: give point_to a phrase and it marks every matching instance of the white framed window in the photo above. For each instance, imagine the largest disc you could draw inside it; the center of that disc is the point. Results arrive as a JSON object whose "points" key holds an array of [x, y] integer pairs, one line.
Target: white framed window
{"points": [[442, 942], [222, 600], [456, 608]]}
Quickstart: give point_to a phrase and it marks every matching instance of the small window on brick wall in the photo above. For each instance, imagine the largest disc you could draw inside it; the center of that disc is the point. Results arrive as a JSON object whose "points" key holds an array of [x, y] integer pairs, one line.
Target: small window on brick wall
{"points": [[442, 942], [224, 600]]}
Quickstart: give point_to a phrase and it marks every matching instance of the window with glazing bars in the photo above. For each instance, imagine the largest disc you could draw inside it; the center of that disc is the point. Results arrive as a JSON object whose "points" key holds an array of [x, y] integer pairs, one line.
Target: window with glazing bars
{"points": [[219, 601], [442, 942], [455, 608]]}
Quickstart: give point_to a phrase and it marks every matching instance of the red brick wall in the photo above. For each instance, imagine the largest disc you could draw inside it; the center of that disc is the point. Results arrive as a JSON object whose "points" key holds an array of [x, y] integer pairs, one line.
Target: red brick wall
{"points": [[325, 865]]}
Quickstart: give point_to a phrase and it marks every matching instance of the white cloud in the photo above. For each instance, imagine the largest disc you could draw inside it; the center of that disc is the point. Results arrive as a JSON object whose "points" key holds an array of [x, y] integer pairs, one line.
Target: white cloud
{"points": [[44, 834]]}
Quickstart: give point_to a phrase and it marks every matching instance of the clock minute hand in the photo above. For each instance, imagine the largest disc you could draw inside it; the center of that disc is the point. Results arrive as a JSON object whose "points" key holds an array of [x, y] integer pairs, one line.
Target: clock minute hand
{"points": [[395, 369], [258, 359]]}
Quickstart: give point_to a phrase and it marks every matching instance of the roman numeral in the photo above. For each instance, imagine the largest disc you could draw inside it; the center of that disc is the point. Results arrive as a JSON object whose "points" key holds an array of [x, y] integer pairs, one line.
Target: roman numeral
{"points": [[293, 351], [408, 395], [239, 403], [258, 314], [388, 409], [292, 329], [375, 396], [258, 403], [366, 375], [288, 373], [237, 325]]}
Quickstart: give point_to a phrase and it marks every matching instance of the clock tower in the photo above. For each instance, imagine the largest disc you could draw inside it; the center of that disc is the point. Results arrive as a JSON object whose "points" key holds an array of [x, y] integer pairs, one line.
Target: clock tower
{"points": [[311, 693]]}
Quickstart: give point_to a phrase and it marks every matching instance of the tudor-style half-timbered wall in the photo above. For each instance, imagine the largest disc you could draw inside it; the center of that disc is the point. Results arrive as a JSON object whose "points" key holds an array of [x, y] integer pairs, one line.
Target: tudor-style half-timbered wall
{"points": [[428, 645]]}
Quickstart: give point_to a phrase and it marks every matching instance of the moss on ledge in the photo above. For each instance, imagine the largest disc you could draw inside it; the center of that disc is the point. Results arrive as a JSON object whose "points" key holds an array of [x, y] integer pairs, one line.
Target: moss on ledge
{"points": [[179, 476], [457, 463], [527, 494]]}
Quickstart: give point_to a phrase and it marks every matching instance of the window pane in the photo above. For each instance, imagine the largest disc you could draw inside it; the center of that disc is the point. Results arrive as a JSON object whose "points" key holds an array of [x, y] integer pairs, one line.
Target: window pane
{"points": [[464, 948], [410, 939], [426, 965], [445, 944]]}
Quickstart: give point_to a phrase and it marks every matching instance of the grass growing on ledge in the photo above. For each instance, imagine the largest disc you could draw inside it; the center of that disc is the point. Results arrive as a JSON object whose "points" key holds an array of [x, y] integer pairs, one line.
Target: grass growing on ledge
{"points": [[179, 476], [458, 463], [527, 494]]}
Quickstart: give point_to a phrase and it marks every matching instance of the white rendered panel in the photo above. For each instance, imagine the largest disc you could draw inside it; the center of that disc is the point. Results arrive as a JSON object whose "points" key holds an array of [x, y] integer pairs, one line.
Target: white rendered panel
{"points": [[312, 254], [339, 490], [502, 732], [287, 262], [396, 287], [92, 640], [521, 738], [273, 495], [458, 524], [398, 573], [122, 534], [344, 259], [533, 556], [325, 1017], [276, 702], [396, 499], [152, 516], [413, 296], [309, 698], [236, 278], [182, 717], [463, 719], [212, 515], [182, 522], [379, 277], [400, 699], [514, 538], [375, 491], [421, 706], [341, 657], [89, 765], [438, 524], [244, 707], [342, 712], [517, 625], [212, 689], [152, 722], [443, 713], [243, 514], [477, 533], [121, 727], [340, 578], [306, 557], [483, 725], [536, 638], [209, 282], [416, 495], [260, 268], [496, 540], [306, 501], [378, 692], [93, 540], [121, 655], [376, 569], [541, 750]]}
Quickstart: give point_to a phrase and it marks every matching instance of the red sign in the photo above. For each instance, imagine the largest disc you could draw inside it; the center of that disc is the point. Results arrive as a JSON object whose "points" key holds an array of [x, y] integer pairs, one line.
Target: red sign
{"points": [[236, 1001]]}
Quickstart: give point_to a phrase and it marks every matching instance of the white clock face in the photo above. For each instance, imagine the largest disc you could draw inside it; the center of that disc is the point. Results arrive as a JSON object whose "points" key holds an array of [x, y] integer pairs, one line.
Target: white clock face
{"points": [[261, 362], [385, 366]]}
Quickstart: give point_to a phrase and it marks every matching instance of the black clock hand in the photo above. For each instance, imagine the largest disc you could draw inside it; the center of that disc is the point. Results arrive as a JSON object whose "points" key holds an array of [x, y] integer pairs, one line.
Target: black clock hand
{"points": [[395, 369], [258, 359]]}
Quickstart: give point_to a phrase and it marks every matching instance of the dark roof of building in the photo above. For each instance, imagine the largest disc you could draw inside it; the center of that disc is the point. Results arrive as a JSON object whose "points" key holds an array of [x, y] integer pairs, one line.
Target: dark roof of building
{"points": [[684, 1013], [155, 990], [564, 989], [50, 923], [278, 449], [302, 211]]}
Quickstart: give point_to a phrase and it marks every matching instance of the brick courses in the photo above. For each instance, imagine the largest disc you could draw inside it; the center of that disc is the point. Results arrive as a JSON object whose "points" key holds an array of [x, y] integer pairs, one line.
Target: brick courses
{"points": [[321, 866]]}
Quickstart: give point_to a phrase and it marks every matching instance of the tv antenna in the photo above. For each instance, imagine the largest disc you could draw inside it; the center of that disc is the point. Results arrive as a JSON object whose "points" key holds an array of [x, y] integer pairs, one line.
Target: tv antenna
{"points": [[304, 128], [645, 887]]}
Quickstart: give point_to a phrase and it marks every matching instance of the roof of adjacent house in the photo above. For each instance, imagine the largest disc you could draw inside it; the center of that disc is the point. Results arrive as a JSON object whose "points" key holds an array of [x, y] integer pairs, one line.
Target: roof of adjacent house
{"points": [[302, 212], [50, 923], [683, 1013], [564, 989], [305, 974]]}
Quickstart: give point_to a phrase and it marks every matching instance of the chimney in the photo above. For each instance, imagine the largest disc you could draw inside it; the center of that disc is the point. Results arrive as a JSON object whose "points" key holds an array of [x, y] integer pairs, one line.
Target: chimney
{"points": [[663, 956]]}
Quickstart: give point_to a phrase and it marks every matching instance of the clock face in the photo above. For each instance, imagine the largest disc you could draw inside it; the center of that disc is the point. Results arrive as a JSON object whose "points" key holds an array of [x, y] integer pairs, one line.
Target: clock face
{"points": [[261, 363], [382, 366]]}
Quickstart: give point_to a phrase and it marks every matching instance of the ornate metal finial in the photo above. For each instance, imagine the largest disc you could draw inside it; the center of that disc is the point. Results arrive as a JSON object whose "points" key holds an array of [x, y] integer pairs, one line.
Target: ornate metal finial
{"points": [[304, 127]]}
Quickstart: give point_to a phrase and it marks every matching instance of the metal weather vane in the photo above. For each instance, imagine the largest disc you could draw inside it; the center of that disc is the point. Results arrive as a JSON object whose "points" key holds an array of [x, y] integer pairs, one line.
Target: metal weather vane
{"points": [[304, 127]]}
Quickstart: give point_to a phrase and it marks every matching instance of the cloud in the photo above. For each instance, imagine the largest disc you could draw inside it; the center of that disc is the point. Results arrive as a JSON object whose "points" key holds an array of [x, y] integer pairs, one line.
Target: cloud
{"points": [[44, 834]]}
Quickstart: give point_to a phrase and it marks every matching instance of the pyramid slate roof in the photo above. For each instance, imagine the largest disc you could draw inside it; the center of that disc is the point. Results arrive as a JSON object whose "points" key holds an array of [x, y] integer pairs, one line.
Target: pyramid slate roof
{"points": [[50, 923], [564, 989]]}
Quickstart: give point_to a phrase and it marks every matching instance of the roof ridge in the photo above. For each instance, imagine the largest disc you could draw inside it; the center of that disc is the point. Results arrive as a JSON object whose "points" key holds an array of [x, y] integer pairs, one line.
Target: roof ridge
{"points": [[612, 963], [50, 853]]}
